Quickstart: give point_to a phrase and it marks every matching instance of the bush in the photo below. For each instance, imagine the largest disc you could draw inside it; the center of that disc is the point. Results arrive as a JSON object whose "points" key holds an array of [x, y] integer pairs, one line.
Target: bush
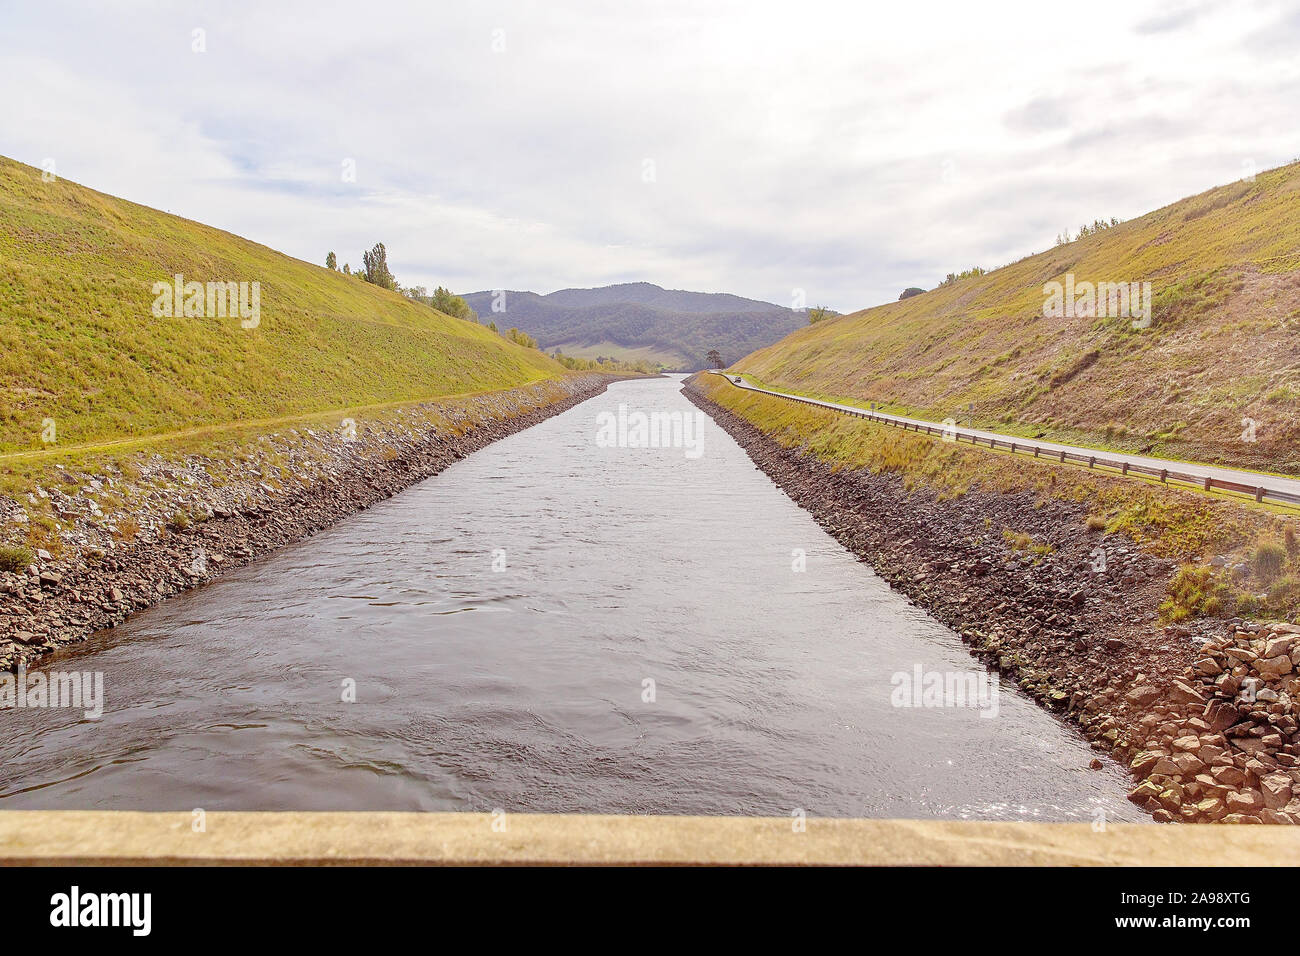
{"points": [[1284, 592], [1096, 523], [1019, 541], [970, 273], [1194, 592], [520, 337], [1269, 558], [14, 559]]}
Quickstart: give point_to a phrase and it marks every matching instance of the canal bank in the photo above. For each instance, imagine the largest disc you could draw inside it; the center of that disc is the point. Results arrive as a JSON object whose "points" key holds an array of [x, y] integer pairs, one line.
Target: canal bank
{"points": [[189, 520], [1201, 714], [562, 622]]}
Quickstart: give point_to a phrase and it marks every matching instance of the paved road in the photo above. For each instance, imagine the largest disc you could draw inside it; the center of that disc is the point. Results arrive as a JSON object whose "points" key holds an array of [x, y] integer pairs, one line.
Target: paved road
{"points": [[1273, 487]]}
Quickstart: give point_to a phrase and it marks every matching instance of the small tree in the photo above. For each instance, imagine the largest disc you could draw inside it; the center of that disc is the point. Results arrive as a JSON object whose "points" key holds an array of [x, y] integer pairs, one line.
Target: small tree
{"points": [[331, 262], [909, 292], [819, 314], [347, 269], [376, 263], [447, 302], [715, 358], [520, 337]]}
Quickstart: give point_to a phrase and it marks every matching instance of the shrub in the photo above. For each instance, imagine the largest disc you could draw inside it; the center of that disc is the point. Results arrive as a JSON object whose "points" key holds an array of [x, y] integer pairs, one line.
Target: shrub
{"points": [[15, 559], [520, 337], [1096, 523], [1269, 558], [127, 528], [1019, 541], [1284, 592], [1194, 591]]}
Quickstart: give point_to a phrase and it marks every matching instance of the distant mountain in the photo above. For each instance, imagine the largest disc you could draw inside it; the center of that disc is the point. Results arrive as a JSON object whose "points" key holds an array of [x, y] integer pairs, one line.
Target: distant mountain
{"points": [[638, 320]]}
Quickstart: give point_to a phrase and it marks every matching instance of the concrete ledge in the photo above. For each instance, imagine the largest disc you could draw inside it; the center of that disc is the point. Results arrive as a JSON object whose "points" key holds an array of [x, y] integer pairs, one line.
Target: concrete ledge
{"points": [[361, 839]]}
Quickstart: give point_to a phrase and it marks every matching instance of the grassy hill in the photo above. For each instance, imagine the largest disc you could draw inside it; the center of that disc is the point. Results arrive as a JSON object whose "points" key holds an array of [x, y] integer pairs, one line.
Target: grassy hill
{"points": [[639, 318], [1223, 345], [79, 343]]}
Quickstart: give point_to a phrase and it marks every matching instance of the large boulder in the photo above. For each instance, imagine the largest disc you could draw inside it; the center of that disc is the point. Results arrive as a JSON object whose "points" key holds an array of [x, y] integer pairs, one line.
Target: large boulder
{"points": [[1184, 693], [1275, 789], [1244, 802]]}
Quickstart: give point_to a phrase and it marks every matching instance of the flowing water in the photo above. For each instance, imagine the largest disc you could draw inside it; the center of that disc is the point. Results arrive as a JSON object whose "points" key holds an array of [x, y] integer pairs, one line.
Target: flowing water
{"points": [[552, 625]]}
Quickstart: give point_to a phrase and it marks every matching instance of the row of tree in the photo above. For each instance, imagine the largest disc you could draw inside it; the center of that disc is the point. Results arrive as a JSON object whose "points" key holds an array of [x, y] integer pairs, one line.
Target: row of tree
{"points": [[970, 273], [376, 272], [604, 363], [1086, 230], [444, 300], [519, 337], [376, 267]]}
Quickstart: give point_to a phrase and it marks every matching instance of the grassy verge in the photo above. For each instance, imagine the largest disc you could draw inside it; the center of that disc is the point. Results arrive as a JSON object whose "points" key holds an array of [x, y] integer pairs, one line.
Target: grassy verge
{"points": [[121, 477], [1110, 440]]}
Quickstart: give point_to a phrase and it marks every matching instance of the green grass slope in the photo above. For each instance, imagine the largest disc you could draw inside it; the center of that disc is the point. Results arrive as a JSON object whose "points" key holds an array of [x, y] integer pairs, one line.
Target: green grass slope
{"points": [[1224, 344], [80, 345]]}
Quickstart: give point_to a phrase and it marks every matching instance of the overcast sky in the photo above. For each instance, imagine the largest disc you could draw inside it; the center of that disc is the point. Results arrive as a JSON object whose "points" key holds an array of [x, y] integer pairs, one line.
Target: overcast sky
{"points": [[750, 147]]}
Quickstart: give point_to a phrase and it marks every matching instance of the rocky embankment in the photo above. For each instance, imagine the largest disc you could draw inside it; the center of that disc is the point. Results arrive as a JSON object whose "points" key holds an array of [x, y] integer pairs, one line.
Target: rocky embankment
{"points": [[1223, 743], [1203, 715], [187, 521]]}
